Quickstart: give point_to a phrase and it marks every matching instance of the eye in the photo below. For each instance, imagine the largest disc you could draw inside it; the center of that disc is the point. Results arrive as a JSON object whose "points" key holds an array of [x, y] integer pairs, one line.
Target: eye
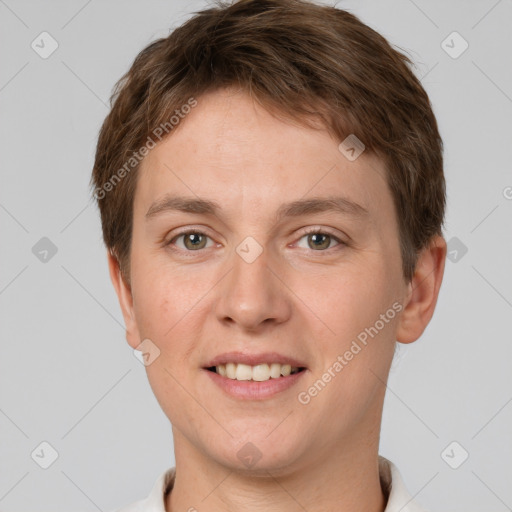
{"points": [[193, 240], [320, 240]]}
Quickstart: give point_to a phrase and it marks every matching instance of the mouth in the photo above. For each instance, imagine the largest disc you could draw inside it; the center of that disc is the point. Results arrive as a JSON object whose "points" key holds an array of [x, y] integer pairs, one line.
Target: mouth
{"points": [[246, 376], [258, 373]]}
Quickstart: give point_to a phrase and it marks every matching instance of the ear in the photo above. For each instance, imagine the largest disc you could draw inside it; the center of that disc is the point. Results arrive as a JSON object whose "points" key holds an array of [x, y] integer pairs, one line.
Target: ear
{"points": [[124, 295], [423, 291]]}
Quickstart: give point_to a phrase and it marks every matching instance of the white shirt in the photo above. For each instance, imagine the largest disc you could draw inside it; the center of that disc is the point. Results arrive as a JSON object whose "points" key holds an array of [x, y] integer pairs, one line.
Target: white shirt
{"points": [[399, 500]]}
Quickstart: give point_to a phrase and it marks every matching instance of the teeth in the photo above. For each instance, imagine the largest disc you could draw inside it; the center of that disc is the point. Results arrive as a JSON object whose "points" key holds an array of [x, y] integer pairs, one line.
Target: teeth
{"points": [[243, 372], [230, 370], [259, 373], [275, 370]]}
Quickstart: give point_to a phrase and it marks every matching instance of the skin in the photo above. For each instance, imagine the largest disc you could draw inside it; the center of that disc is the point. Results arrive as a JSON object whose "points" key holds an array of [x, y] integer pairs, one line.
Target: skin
{"points": [[306, 302]]}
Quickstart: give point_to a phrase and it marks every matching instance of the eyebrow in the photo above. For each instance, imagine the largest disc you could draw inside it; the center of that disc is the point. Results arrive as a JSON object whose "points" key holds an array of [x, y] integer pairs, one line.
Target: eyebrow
{"points": [[297, 208]]}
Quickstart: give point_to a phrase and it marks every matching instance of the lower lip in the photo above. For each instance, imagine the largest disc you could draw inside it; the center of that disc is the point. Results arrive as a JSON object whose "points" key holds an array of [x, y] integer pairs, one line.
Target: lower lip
{"points": [[253, 390]]}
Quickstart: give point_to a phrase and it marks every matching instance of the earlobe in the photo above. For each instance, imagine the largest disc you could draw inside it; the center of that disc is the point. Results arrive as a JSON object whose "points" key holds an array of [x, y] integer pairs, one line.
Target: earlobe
{"points": [[125, 297], [423, 291]]}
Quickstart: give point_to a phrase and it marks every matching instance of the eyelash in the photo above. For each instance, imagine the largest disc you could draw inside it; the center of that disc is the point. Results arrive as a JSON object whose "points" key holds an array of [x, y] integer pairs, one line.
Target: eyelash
{"points": [[309, 231]]}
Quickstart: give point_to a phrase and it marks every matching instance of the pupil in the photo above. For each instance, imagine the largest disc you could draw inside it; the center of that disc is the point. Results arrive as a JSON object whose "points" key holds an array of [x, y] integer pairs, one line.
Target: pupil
{"points": [[192, 236]]}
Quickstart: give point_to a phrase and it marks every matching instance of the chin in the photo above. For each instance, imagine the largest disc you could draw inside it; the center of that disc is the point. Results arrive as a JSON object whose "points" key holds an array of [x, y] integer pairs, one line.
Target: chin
{"points": [[257, 453]]}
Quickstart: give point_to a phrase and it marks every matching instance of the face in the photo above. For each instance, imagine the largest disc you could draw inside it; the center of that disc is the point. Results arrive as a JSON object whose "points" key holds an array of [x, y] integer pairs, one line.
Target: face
{"points": [[266, 273]]}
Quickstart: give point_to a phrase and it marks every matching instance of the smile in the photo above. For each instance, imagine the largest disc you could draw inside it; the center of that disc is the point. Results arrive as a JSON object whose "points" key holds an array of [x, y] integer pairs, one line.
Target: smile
{"points": [[258, 373]]}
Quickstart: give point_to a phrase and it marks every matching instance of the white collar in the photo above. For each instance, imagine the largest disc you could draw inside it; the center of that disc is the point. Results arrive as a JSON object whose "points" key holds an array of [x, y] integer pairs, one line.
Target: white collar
{"points": [[399, 500]]}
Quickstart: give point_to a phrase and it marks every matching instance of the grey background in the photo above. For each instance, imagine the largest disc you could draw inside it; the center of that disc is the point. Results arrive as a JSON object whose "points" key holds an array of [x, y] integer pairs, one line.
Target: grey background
{"points": [[67, 375]]}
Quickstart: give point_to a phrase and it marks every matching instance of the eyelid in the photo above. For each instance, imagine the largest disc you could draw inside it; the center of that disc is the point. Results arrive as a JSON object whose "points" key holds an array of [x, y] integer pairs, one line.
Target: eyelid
{"points": [[320, 229]]}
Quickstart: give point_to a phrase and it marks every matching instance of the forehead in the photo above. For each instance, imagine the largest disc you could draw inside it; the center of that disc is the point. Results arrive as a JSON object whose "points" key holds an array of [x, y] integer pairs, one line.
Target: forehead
{"points": [[231, 150]]}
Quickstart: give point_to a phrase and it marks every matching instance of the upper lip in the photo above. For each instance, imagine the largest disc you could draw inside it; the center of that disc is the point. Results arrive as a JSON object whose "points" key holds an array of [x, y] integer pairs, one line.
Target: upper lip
{"points": [[254, 359]]}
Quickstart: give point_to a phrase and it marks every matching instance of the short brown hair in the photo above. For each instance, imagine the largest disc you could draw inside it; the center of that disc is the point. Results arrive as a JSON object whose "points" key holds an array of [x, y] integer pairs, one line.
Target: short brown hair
{"points": [[298, 59]]}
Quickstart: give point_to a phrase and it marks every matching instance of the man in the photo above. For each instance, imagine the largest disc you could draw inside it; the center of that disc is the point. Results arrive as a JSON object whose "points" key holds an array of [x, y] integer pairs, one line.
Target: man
{"points": [[271, 189]]}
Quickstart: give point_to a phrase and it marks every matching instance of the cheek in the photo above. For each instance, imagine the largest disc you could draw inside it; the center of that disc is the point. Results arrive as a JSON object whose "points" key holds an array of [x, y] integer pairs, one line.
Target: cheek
{"points": [[162, 296], [356, 359], [164, 309], [350, 298], [171, 307], [362, 322]]}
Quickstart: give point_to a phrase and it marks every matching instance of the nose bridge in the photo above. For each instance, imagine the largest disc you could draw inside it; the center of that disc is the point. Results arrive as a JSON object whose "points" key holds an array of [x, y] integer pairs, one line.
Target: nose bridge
{"points": [[251, 294]]}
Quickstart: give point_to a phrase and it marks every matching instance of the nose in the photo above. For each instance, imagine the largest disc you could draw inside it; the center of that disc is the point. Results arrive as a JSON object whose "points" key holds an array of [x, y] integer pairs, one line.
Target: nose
{"points": [[252, 295]]}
